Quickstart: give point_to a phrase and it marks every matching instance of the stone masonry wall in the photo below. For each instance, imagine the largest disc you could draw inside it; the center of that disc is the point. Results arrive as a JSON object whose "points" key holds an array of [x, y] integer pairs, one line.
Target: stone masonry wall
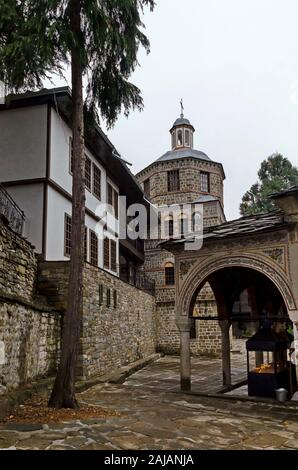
{"points": [[29, 329], [31, 344], [208, 333], [17, 264], [189, 169], [118, 320]]}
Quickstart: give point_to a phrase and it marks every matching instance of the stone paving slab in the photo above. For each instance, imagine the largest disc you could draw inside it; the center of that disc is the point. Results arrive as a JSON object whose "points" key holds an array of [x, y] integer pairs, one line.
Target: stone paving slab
{"points": [[157, 417]]}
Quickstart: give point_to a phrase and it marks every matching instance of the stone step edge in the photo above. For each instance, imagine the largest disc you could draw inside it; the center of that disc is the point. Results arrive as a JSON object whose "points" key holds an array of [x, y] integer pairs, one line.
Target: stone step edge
{"points": [[118, 376]]}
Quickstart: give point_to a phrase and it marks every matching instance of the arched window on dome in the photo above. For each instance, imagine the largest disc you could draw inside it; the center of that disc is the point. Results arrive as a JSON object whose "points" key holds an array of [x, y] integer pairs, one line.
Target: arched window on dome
{"points": [[179, 138], [187, 138], [169, 226], [183, 224], [196, 222], [173, 139], [169, 274]]}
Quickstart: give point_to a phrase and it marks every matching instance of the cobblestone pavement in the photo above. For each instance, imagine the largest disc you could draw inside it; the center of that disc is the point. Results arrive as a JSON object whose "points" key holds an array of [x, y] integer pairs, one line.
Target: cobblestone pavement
{"points": [[154, 416]]}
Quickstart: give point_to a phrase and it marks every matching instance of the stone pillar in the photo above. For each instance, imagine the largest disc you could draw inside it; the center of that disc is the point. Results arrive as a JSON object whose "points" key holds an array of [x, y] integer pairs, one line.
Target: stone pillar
{"points": [[226, 353], [184, 325]]}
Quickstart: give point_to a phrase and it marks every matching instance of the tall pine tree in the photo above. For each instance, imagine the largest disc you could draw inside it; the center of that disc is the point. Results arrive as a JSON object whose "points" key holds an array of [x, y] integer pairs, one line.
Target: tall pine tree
{"points": [[100, 40]]}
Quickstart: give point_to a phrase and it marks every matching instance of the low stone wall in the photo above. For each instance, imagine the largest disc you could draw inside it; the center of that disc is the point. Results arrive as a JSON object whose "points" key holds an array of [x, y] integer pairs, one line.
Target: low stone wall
{"points": [[30, 344], [118, 320], [29, 329], [18, 265]]}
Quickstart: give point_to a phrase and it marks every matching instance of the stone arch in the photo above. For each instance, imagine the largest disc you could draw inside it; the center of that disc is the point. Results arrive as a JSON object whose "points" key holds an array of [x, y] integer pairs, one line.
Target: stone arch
{"points": [[200, 272]]}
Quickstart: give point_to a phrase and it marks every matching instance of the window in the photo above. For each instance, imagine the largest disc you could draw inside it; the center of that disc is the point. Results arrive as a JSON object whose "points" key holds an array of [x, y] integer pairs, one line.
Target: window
{"points": [[106, 253], [186, 137], [174, 139], [108, 297], [205, 182], [169, 226], [113, 199], [88, 167], [196, 221], [180, 138], [169, 274], [86, 245], [173, 180], [70, 155], [147, 187], [93, 248], [96, 181], [100, 294], [183, 225], [115, 298], [116, 203], [67, 235], [113, 256], [110, 195]]}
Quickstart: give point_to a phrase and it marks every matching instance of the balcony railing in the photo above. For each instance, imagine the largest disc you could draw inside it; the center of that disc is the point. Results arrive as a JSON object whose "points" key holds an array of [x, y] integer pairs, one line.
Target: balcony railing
{"points": [[11, 211]]}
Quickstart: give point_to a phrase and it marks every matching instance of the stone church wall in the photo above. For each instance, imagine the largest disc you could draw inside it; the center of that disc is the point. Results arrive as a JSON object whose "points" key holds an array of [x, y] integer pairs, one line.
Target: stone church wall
{"points": [[29, 329], [208, 334]]}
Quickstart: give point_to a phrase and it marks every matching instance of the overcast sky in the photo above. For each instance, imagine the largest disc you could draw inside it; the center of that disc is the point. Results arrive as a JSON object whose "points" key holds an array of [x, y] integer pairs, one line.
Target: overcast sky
{"points": [[235, 63]]}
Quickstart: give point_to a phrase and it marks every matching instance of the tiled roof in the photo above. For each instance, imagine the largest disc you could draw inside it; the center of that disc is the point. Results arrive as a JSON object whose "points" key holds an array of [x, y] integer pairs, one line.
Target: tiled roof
{"points": [[244, 226]]}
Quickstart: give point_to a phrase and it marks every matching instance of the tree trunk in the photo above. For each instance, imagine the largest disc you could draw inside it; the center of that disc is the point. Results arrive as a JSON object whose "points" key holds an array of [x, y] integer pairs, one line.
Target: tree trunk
{"points": [[63, 394]]}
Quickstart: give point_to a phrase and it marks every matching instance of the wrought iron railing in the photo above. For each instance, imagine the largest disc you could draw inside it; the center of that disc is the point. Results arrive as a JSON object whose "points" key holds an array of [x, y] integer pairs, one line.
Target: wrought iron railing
{"points": [[11, 211]]}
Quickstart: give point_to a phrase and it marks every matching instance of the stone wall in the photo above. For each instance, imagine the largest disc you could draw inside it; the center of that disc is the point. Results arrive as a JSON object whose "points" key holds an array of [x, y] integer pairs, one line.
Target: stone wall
{"points": [[31, 344], [29, 329], [208, 333], [207, 340], [17, 264], [189, 169], [118, 320]]}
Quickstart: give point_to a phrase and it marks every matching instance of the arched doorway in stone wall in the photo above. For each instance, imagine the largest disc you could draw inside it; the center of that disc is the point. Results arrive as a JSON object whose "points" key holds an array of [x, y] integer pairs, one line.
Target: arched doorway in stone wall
{"points": [[245, 298]]}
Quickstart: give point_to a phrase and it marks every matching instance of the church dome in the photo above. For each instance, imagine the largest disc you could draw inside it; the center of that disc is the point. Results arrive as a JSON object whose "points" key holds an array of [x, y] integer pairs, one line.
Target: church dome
{"points": [[183, 153], [182, 121]]}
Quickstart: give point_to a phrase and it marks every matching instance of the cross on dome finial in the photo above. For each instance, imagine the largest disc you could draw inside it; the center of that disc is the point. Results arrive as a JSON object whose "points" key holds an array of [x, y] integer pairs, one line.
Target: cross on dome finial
{"points": [[182, 108]]}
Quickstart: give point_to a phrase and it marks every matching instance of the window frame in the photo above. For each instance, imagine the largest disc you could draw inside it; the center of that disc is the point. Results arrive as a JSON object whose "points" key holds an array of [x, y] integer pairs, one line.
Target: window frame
{"points": [[180, 130], [86, 244], [147, 187], [113, 255], [96, 169], [169, 274], [203, 183], [173, 180], [67, 235], [187, 132], [106, 254], [94, 260], [70, 166], [108, 298], [100, 294], [113, 199], [88, 162]]}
